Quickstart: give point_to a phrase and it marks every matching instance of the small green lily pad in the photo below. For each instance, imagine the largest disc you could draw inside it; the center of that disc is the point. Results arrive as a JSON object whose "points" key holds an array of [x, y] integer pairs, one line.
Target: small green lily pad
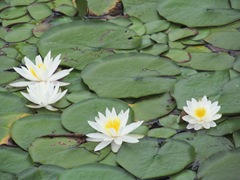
{"points": [[39, 11], [161, 132], [177, 34], [13, 12]]}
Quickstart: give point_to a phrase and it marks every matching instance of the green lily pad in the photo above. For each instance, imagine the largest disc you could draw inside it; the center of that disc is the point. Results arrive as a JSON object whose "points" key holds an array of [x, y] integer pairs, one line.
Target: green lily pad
{"points": [[7, 63], [99, 8], [65, 152], [202, 34], [161, 132], [171, 121], [178, 55], [75, 118], [11, 52], [96, 171], [4, 175], [144, 10], [198, 13], [225, 39], [205, 145], [229, 97], [160, 38], [153, 107], [155, 161], [156, 26], [176, 45], [11, 103], [6, 122], [221, 166], [177, 34], [43, 172], [228, 126], [25, 31], [9, 22], [137, 26], [137, 75], [40, 29], [199, 84], [236, 138], [35, 126], [110, 159], [13, 12], [8, 77], [3, 5], [76, 53], [27, 49], [39, 11], [21, 2], [121, 21], [66, 9], [236, 64], [14, 160], [80, 96], [156, 49], [146, 42], [186, 174], [209, 61], [235, 4]]}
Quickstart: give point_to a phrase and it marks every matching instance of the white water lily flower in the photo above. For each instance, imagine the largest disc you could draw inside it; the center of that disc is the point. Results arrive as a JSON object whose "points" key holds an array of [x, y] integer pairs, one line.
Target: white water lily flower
{"points": [[44, 95], [201, 114], [113, 130], [41, 71]]}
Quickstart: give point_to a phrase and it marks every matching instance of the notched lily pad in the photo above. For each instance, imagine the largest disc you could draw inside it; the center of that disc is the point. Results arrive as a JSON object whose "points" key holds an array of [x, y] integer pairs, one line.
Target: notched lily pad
{"points": [[130, 75]]}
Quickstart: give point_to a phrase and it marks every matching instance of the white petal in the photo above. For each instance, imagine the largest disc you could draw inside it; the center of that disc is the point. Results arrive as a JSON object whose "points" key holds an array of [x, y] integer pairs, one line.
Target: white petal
{"points": [[190, 126], [95, 125], [50, 108], [28, 97], [124, 117], [187, 118], [99, 136], [102, 145], [60, 74], [115, 147], [94, 140], [24, 74], [197, 126], [137, 136], [34, 106], [129, 128], [212, 124], [54, 65], [118, 140], [129, 139], [206, 125], [216, 116], [22, 83]]}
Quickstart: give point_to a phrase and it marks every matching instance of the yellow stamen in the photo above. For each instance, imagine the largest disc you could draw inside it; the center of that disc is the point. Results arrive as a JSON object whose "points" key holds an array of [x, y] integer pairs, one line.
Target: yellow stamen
{"points": [[200, 112], [33, 72], [41, 66], [113, 123]]}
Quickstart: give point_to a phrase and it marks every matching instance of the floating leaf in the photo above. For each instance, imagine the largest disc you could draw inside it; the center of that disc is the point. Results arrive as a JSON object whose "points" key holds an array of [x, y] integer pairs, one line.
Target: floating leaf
{"points": [[199, 84], [21, 2], [161, 132], [130, 75], [156, 26], [171, 121], [14, 160], [178, 55], [143, 164], [25, 31], [153, 107], [39, 11], [229, 97], [6, 121], [35, 126], [177, 34], [205, 145], [160, 37], [144, 10], [235, 4], [221, 166], [65, 152], [6, 176], [66, 9], [137, 26], [13, 12], [156, 49], [198, 13], [75, 118], [236, 138], [42, 172], [23, 19], [96, 171], [236, 64], [7, 63], [186, 174], [80, 96], [209, 61]]}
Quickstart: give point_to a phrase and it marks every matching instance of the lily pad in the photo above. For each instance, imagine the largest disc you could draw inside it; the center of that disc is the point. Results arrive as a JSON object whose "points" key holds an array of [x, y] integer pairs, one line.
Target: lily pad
{"points": [[43, 172], [144, 10], [198, 13], [14, 160], [96, 171], [236, 138], [80, 96], [236, 65], [187, 174], [6, 121], [23, 19], [178, 55], [171, 121], [177, 34], [13, 12], [45, 125], [75, 118], [153, 107], [66, 9], [7, 63], [101, 7], [21, 2], [156, 49], [229, 97], [199, 84], [143, 164], [160, 37], [156, 26], [130, 75], [137, 26], [209, 61], [161, 132], [205, 145], [64, 152], [221, 166], [39, 11]]}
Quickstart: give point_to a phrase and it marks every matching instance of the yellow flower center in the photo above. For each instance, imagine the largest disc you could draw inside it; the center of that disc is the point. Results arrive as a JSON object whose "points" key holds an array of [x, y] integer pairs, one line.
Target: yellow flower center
{"points": [[41, 66], [200, 112], [33, 72], [113, 124]]}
